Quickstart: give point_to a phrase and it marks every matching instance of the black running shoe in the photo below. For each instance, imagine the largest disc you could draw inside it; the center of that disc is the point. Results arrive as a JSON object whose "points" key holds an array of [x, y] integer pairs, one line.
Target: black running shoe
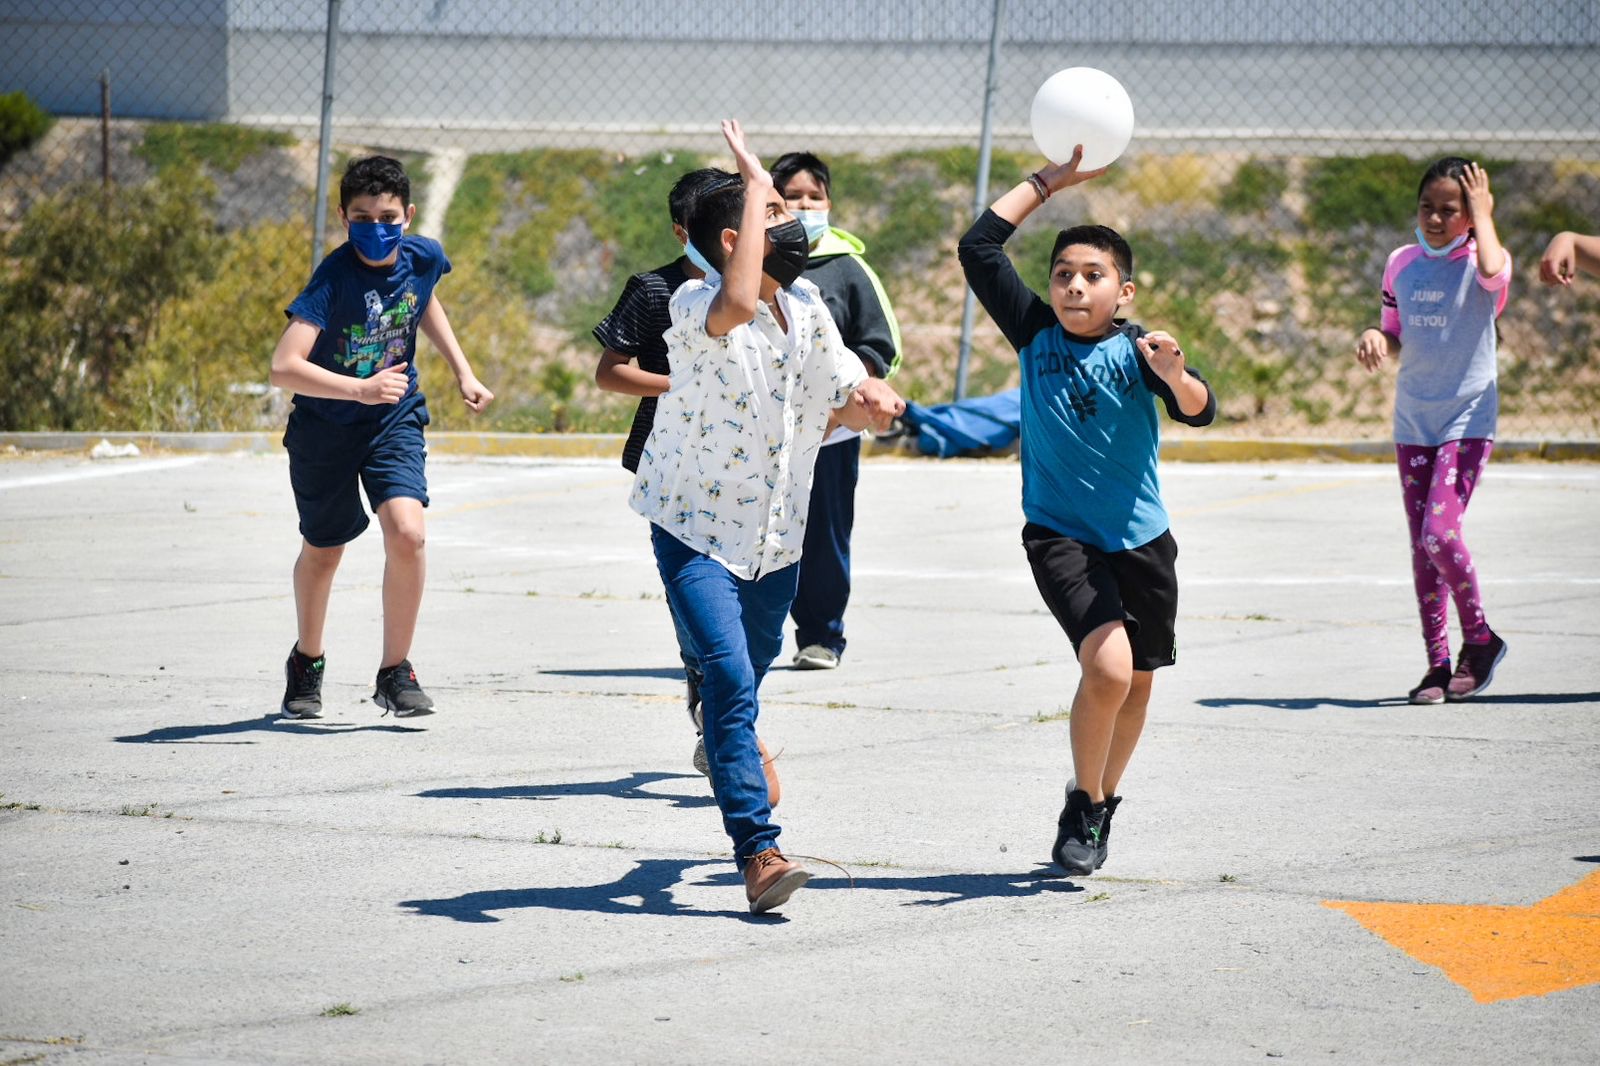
{"points": [[398, 691], [1105, 831], [302, 692], [1078, 836]]}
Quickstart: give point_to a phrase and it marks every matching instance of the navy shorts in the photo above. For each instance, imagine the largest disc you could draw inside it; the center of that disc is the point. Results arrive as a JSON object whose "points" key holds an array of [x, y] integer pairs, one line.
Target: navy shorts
{"points": [[1085, 588], [326, 459]]}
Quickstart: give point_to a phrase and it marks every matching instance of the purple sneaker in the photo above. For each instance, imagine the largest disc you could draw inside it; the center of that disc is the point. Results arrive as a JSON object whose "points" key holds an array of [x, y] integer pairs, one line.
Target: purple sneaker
{"points": [[1475, 668]]}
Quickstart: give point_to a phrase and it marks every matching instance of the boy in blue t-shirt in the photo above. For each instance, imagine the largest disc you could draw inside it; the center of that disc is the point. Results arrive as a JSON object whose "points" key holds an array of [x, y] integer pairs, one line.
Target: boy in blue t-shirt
{"points": [[348, 355], [1096, 533]]}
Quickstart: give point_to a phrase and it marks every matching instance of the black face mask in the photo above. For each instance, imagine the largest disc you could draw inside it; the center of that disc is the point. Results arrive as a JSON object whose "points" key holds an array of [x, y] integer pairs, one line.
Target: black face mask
{"points": [[790, 251]]}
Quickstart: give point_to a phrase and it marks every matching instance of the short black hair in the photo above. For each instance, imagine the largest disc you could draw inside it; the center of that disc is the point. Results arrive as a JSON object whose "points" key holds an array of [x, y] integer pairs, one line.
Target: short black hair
{"points": [[1103, 238], [719, 206], [374, 175], [1451, 167], [686, 188], [792, 163]]}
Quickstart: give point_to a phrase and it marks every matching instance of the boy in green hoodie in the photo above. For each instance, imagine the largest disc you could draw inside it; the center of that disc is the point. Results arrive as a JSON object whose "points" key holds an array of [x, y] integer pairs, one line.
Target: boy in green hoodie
{"points": [[860, 308]]}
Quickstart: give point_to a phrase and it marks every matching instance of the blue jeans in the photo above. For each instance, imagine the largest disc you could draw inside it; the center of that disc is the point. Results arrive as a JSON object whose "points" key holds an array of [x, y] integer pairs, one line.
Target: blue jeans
{"points": [[824, 587], [691, 663], [736, 629]]}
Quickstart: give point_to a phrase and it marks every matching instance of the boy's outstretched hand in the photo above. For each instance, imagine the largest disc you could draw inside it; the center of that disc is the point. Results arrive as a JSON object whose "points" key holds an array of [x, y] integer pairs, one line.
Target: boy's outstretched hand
{"points": [[1160, 349], [1058, 176], [750, 168], [474, 393]]}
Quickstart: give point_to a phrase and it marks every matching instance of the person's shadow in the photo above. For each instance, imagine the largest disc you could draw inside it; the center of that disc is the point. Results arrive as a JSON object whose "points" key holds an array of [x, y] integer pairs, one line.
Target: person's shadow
{"points": [[271, 723], [651, 881], [669, 673], [631, 787], [1314, 703]]}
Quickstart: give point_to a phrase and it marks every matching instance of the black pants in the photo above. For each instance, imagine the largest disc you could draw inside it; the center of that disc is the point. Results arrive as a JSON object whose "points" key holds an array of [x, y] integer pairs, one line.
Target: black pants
{"points": [[818, 610]]}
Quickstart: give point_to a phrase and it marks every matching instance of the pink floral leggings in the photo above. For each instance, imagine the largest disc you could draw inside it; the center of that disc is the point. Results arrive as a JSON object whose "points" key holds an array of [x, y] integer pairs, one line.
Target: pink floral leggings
{"points": [[1437, 482]]}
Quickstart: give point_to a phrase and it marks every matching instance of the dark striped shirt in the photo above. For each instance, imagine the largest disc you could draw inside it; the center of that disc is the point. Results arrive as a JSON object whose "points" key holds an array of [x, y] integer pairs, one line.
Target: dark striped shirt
{"points": [[634, 328]]}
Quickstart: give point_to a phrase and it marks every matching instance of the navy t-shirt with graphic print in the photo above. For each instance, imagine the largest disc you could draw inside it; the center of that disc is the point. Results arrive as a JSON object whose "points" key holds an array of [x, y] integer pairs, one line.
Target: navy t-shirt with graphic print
{"points": [[369, 318], [1089, 428]]}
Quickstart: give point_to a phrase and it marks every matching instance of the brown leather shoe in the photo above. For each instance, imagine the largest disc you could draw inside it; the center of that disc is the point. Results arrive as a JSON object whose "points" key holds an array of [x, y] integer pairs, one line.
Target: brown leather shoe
{"points": [[770, 769], [770, 879]]}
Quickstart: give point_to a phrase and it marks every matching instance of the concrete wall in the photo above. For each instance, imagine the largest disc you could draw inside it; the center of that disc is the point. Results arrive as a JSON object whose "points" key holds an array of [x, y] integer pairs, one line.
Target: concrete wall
{"points": [[1328, 72]]}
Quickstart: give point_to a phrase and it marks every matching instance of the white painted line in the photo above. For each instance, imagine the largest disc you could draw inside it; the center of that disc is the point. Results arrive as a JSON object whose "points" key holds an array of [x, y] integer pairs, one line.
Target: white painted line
{"points": [[103, 468]]}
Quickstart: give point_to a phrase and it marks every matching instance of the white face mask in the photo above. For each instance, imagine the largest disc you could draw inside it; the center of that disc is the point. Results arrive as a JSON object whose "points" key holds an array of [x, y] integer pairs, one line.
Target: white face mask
{"points": [[815, 222], [1439, 253]]}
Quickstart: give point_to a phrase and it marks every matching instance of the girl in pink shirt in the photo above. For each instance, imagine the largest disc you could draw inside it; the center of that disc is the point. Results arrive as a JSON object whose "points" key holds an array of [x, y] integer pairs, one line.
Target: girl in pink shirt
{"points": [[1441, 297]]}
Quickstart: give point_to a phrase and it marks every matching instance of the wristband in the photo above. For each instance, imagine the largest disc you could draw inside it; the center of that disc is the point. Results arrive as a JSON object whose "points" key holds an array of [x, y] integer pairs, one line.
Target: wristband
{"points": [[1040, 189]]}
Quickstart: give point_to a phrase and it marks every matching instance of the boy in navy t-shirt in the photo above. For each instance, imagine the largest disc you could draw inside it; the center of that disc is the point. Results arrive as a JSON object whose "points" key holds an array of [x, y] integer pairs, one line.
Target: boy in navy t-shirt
{"points": [[348, 355], [1096, 533]]}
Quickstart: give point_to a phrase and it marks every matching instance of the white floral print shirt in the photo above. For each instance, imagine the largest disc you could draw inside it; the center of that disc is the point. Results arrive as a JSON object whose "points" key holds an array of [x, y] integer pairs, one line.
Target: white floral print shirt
{"points": [[727, 467]]}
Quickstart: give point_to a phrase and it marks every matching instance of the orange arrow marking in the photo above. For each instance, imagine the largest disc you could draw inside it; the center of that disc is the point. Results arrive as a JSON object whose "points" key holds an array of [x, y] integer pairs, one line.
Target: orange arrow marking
{"points": [[1495, 952]]}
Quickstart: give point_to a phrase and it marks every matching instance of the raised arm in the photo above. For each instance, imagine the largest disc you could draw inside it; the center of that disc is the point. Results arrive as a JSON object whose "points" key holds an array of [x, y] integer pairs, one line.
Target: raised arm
{"points": [[1480, 208], [1026, 196], [735, 302]]}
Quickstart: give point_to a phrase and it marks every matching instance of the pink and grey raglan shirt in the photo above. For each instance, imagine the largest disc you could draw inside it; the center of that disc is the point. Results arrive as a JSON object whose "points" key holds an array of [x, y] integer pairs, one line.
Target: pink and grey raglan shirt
{"points": [[1443, 310]]}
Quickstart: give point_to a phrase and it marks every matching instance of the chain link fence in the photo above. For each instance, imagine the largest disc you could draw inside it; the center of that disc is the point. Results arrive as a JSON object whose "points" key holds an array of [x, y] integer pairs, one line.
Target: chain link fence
{"points": [[158, 168]]}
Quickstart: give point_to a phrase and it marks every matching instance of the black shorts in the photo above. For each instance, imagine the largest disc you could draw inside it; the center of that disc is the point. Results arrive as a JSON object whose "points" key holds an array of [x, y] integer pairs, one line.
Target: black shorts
{"points": [[1085, 588], [329, 462]]}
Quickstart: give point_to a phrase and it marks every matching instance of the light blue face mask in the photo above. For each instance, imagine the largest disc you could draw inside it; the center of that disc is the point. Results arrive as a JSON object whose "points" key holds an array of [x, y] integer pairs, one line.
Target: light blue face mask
{"points": [[1439, 253], [815, 222], [697, 259]]}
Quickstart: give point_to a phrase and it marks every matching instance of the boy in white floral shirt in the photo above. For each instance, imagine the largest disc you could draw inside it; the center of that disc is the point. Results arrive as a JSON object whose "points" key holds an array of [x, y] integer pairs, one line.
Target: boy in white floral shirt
{"points": [[725, 477]]}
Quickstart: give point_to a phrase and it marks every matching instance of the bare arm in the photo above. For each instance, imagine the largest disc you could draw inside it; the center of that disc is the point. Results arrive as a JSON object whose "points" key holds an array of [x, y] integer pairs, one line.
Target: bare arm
{"points": [[436, 327], [292, 369], [735, 302], [616, 373], [1567, 254], [1480, 207]]}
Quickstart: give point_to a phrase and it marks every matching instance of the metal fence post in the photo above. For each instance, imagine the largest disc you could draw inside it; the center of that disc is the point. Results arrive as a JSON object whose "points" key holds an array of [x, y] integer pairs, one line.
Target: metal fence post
{"points": [[319, 226], [980, 198]]}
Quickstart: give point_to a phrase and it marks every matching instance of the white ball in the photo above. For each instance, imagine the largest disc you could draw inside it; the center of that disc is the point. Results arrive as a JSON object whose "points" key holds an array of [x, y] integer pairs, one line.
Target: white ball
{"points": [[1082, 105]]}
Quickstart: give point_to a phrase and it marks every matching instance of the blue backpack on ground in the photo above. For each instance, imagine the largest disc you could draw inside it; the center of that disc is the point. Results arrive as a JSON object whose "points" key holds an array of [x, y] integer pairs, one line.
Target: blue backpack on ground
{"points": [[978, 425]]}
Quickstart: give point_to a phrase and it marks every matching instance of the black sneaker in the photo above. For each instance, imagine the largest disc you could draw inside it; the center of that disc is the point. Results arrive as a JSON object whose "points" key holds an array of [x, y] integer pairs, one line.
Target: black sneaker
{"points": [[1078, 837], [1105, 831], [1475, 668], [399, 692], [302, 692]]}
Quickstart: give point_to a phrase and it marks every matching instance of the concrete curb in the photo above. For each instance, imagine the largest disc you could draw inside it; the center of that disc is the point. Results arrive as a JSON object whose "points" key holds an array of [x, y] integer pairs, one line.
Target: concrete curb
{"points": [[609, 445]]}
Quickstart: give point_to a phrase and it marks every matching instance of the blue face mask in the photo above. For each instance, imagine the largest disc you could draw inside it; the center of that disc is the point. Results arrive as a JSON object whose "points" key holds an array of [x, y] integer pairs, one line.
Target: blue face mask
{"points": [[698, 260], [815, 222], [376, 241], [1439, 253]]}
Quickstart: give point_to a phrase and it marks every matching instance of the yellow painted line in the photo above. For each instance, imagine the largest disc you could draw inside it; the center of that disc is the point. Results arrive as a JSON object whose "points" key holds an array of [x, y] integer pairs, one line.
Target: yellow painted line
{"points": [[1497, 952], [1278, 494]]}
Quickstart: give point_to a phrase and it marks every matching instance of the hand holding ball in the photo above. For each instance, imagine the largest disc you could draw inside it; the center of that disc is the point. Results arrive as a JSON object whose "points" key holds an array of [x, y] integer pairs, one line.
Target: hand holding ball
{"points": [[1082, 105]]}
